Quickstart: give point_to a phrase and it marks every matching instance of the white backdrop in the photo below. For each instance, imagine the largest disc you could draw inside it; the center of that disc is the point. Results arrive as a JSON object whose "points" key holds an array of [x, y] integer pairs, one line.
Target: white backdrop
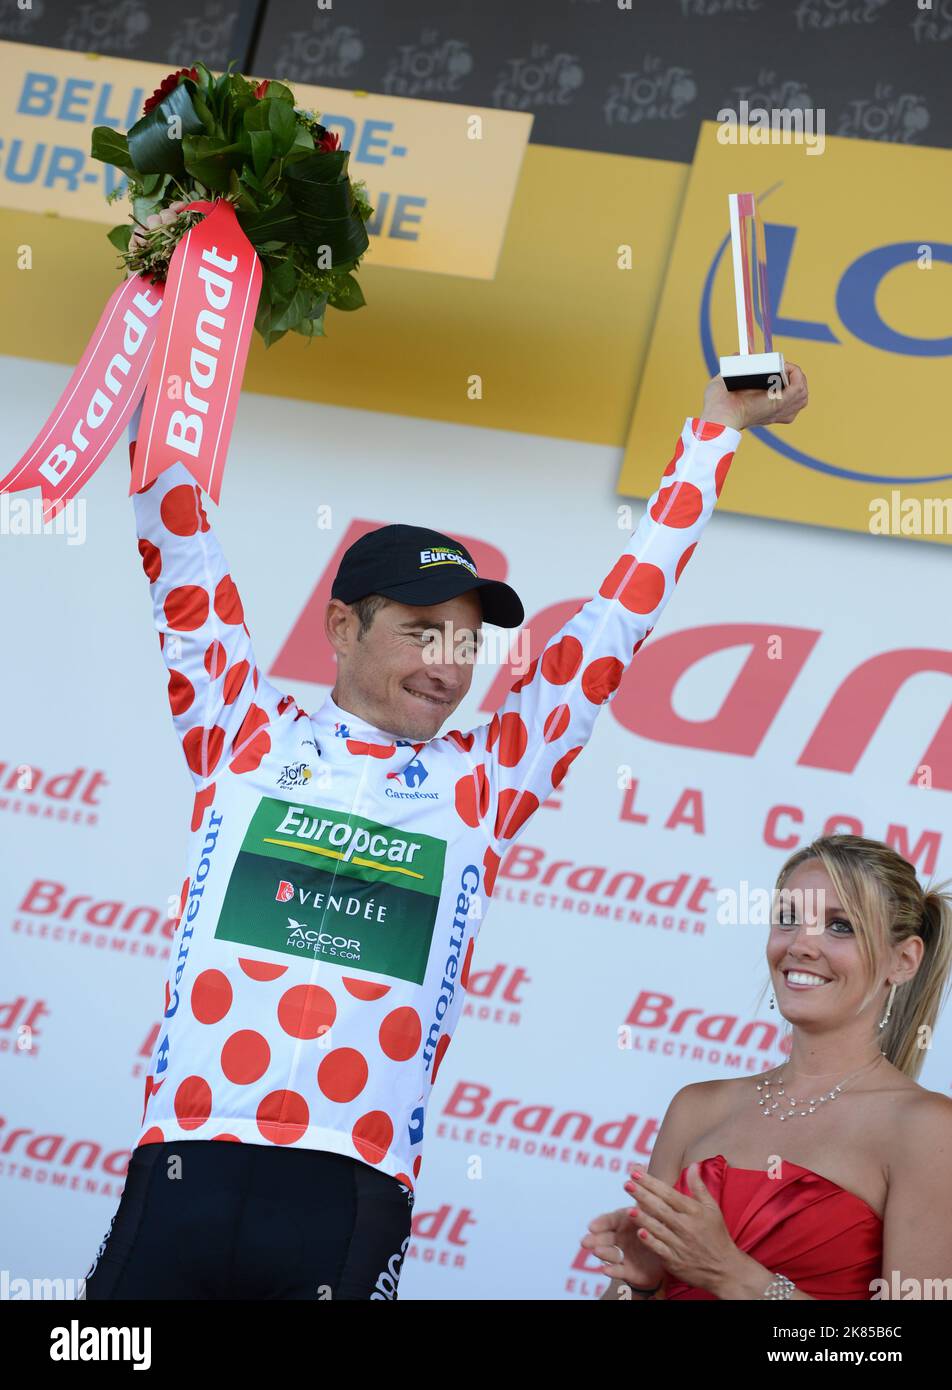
{"points": [[504, 1197]]}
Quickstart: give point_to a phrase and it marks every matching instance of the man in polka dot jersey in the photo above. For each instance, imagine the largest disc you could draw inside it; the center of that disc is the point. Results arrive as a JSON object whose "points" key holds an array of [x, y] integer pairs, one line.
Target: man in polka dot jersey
{"points": [[339, 866]]}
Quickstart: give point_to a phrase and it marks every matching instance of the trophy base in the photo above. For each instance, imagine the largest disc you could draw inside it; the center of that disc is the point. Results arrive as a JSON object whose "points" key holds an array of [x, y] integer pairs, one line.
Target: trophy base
{"points": [[754, 372]]}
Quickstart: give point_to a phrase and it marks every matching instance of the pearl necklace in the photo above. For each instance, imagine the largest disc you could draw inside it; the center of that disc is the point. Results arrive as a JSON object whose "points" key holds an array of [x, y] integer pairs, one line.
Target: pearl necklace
{"points": [[768, 1105]]}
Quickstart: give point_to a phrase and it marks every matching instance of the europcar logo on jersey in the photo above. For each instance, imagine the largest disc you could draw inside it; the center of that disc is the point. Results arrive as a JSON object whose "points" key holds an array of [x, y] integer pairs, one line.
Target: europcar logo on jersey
{"points": [[443, 555], [314, 882]]}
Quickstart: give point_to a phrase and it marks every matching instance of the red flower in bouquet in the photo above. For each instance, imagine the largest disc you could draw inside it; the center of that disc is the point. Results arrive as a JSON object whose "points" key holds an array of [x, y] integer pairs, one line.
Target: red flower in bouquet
{"points": [[262, 88], [327, 142], [168, 84]]}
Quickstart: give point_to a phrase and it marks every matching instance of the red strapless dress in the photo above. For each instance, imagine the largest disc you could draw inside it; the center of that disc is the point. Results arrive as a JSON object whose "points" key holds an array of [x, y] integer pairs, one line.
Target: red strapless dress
{"points": [[827, 1240]]}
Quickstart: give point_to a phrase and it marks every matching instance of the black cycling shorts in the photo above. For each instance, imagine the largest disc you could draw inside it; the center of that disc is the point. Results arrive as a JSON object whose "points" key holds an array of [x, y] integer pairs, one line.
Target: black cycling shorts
{"points": [[252, 1221]]}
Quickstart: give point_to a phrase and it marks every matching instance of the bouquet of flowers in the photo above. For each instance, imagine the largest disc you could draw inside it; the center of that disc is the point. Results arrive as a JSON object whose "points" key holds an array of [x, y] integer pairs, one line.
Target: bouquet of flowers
{"points": [[268, 231], [284, 173]]}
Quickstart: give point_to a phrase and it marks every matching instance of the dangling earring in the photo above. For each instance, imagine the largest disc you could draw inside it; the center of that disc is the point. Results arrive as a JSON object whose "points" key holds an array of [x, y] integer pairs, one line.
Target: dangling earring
{"points": [[771, 999], [892, 995]]}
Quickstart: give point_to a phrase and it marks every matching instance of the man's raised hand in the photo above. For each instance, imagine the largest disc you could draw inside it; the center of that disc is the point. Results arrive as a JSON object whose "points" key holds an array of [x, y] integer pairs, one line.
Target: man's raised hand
{"points": [[744, 409]]}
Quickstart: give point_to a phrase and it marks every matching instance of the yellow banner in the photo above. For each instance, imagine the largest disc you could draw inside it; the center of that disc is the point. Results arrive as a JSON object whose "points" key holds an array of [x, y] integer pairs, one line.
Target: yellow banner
{"points": [[859, 256], [441, 177]]}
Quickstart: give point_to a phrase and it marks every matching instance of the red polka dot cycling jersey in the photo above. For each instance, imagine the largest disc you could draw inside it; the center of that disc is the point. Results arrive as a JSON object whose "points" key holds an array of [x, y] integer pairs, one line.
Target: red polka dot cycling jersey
{"points": [[336, 875]]}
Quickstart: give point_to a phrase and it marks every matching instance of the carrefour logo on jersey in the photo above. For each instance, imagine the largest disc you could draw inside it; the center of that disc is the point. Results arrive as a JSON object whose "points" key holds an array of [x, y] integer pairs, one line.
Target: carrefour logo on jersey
{"points": [[187, 930], [411, 776], [364, 894]]}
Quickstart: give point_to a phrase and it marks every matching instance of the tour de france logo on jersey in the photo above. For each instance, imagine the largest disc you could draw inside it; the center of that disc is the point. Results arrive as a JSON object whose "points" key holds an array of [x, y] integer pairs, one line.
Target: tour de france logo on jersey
{"points": [[322, 885], [295, 775], [443, 555]]}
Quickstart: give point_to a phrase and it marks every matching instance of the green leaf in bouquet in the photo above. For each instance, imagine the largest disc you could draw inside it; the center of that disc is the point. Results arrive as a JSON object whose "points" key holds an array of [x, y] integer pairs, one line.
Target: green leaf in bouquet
{"points": [[120, 236], [302, 146], [206, 79], [247, 195], [263, 322], [260, 145], [345, 237], [274, 172], [152, 185], [205, 114], [289, 317], [143, 208], [250, 179], [324, 206], [277, 223], [243, 196], [327, 166], [278, 91], [156, 141], [239, 94], [361, 201], [283, 279], [112, 148], [276, 117], [234, 98], [347, 294], [210, 160]]}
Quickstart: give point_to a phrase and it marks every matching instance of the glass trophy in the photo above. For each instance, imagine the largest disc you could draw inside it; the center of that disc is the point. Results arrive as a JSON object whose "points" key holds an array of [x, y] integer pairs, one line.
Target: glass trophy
{"points": [[755, 365]]}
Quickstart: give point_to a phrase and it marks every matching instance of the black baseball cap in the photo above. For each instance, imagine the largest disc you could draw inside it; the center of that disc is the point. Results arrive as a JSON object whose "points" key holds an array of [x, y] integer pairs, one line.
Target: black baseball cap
{"points": [[415, 565]]}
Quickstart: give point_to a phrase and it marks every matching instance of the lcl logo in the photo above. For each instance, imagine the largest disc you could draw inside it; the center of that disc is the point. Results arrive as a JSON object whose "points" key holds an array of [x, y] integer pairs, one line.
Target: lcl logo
{"points": [[857, 311]]}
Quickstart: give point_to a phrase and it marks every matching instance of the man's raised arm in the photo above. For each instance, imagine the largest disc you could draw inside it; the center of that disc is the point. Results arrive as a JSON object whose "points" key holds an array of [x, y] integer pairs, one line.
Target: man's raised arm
{"points": [[524, 752], [221, 704]]}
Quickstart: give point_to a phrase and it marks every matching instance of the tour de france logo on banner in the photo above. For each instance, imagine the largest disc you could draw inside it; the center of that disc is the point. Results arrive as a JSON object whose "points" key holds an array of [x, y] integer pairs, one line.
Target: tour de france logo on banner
{"points": [[859, 274]]}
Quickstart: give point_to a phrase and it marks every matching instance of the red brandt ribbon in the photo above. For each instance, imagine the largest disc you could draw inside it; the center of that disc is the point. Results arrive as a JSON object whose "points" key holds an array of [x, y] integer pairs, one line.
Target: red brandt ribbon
{"points": [[194, 333], [101, 395], [211, 296]]}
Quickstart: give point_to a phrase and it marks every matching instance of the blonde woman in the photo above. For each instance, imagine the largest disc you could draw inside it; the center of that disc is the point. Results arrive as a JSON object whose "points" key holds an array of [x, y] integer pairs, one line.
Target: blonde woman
{"points": [[829, 1177]]}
